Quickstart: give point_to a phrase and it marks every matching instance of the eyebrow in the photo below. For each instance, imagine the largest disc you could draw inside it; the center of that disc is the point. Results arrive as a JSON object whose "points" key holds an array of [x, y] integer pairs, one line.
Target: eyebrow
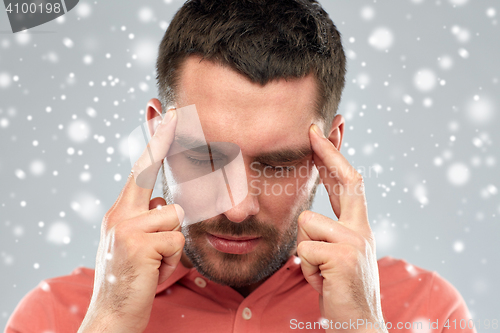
{"points": [[285, 155]]}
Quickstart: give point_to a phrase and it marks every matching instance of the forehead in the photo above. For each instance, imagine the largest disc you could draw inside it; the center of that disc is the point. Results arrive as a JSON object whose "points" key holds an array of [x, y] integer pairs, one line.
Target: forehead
{"points": [[255, 117]]}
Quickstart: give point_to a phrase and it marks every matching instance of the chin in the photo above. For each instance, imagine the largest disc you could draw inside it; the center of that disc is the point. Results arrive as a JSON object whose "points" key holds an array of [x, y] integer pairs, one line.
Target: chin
{"points": [[236, 270]]}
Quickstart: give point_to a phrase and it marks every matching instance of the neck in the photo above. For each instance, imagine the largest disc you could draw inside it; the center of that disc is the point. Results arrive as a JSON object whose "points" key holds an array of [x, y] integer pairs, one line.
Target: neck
{"points": [[247, 290], [185, 261]]}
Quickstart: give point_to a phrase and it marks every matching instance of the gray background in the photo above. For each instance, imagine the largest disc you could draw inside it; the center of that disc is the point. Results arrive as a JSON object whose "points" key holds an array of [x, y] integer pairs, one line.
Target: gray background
{"points": [[433, 200]]}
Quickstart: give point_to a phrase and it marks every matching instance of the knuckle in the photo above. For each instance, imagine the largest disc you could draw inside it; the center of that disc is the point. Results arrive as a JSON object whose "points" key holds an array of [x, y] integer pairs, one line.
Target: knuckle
{"points": [[356, 178], [108, 220], [112, 217], [175, 239], [178, 238], [333, 172]]}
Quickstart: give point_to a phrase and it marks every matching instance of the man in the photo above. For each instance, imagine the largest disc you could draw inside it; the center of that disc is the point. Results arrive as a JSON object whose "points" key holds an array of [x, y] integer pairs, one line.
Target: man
{"points": [[266, 76]]}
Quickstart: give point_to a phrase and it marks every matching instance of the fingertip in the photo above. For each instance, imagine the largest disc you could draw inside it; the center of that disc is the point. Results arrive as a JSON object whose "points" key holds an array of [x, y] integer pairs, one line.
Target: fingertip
{"points": [[169, 115], [316, 130], [180, 213], [167, 124], [305, 216], [157, 203]]}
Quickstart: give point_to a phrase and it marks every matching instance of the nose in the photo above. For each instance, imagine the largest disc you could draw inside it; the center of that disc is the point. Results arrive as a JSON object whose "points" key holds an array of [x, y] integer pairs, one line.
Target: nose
{"points": [[249, 206], [240, 179]]}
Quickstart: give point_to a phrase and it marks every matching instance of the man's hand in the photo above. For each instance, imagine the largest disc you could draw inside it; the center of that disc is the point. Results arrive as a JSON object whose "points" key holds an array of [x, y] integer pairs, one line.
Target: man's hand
{"points": [[338, 257], [139, 248]]}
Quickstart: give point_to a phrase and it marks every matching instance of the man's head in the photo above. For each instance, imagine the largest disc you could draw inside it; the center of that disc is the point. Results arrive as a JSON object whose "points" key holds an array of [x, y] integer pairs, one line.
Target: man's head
{"points": [[262, 39], [260, 73]]}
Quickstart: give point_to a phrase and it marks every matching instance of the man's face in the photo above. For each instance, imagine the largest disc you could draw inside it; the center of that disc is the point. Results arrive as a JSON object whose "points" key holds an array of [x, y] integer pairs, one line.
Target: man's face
{"points": [[270, 125]]}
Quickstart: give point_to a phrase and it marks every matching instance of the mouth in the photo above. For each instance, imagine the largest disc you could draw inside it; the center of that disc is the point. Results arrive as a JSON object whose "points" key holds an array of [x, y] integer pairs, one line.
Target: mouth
{"points": [[232, 244]]}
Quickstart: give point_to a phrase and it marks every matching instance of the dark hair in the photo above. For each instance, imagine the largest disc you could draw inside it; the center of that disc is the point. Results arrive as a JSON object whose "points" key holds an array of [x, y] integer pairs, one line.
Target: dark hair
{"points": [[261, 39]]}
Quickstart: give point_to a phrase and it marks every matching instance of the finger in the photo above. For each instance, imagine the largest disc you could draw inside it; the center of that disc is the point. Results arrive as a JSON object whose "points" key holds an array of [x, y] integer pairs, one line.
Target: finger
{"points": [[316, 227], [312, 255], [165, 218], [155, 202], [139, 187], [332, 190], [351, 196], [168, 266], [169, 245]]}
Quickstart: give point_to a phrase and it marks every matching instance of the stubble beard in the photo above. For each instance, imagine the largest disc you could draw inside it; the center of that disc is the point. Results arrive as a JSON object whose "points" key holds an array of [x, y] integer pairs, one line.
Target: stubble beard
{"points": [[239, 270]]}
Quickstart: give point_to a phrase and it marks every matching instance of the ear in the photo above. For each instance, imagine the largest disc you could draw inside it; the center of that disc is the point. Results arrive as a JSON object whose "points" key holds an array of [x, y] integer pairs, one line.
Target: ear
{"points": [[336, 133], [153, 115]]}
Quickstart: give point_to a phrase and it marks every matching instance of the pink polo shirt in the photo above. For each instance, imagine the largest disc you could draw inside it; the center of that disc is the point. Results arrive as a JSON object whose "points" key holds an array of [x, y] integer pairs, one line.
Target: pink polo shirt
{"points": [[188, 302]]}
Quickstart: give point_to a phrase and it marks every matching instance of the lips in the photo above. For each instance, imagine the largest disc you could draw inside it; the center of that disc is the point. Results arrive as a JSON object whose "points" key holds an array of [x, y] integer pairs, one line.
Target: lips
{"points": [[232, 244]]}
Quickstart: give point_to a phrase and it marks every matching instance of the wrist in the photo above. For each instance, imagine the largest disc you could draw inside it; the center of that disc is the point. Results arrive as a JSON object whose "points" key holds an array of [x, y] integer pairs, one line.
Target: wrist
{"points": [[97, 321]]}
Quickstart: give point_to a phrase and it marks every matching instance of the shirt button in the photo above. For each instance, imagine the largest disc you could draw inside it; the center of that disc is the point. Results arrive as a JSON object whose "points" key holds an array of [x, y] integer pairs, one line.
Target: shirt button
{"points": [[200, 282], [247, 314]]}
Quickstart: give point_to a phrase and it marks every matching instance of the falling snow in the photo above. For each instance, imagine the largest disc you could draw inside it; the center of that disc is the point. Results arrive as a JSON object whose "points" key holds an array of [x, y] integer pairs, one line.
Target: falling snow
{"points": [[59, 233], [381, 39], [425, 80], [78, 131], [83, 9], [420, 105], [480, 110], [458, 174], [445, 62]]}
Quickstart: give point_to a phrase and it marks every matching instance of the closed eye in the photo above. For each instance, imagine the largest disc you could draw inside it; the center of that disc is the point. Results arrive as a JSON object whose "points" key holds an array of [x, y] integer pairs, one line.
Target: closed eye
{"points": [[204, 162], [199, 162]]}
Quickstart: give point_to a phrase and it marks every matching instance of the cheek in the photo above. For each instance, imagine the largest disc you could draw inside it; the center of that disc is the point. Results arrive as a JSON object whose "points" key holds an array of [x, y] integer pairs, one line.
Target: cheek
{"points": [[201, 198]]}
